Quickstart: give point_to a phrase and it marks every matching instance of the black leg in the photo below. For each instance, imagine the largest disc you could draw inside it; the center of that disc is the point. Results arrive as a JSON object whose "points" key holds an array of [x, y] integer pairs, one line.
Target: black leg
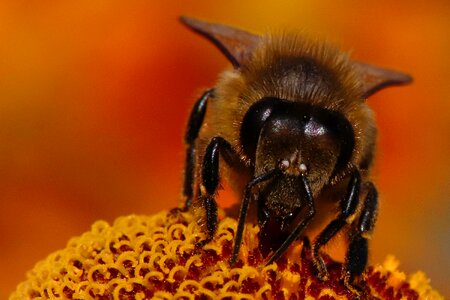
{"points": [[301, 226], [210, 183], [192, 130], [244, 209], [357, 255], [347, 209], [210, 206]]}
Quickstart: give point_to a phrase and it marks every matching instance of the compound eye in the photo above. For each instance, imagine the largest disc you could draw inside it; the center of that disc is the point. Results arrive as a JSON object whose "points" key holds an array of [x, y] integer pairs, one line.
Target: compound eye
{"points": [[329, 131], [314, 128], [253, 122]]}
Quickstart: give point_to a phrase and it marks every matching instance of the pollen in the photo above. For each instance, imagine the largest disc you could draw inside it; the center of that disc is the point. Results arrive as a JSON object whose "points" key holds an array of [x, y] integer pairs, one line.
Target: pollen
{"points": [[155, 257]]}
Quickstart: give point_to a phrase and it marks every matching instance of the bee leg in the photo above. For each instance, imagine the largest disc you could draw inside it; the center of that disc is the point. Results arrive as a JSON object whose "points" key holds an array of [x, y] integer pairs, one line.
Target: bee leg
{"points": [[301, 226], [210, 183], [193, 128], [244, 210], [357, 254], [347, 209]]}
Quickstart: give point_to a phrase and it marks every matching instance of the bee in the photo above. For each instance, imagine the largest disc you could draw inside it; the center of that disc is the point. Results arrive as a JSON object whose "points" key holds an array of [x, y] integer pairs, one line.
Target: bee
{"points": [[289, 127]]}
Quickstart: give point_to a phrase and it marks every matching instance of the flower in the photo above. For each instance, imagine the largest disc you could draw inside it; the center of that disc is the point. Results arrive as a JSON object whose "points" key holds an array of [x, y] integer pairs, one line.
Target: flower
{"points": [[143, 257]]}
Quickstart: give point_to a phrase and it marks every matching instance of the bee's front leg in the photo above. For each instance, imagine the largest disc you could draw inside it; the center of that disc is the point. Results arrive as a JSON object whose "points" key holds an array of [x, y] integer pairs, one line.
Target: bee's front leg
{"points": [[210, 182]]}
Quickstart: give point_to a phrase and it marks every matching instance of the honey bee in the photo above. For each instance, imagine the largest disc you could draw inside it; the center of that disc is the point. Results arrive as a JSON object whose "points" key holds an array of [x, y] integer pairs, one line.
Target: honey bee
{"points": [[289, 127]]}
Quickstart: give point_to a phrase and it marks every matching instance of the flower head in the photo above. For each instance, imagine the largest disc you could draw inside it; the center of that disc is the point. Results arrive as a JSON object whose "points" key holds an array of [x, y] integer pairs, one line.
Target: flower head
{"points": [[143, 257]]}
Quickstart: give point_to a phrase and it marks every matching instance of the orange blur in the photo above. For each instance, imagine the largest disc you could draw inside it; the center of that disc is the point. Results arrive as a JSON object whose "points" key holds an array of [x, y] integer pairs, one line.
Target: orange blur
{"points": [[94, 97]]}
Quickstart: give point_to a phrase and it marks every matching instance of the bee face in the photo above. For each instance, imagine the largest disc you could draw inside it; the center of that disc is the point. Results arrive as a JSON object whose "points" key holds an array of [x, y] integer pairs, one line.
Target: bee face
{"points": [[291, 117], [297, 138]]}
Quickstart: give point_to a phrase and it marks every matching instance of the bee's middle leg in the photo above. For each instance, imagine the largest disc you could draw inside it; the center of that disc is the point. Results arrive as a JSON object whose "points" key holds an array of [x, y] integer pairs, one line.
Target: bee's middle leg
{"points": [[347, 209], [192, 130]]}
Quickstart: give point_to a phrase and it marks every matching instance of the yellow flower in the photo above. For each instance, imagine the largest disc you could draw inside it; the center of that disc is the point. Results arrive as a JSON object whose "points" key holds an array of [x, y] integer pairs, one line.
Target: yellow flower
{"points": [[144, 257]]}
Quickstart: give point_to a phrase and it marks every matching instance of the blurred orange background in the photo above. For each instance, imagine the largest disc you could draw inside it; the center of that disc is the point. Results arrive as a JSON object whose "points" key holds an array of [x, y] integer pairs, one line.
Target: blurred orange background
{"points": [[94, 97]]}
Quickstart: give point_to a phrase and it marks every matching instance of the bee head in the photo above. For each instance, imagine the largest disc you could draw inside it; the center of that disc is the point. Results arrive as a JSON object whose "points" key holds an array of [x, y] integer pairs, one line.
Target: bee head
{"points": [[292, 101], [297, 138]]}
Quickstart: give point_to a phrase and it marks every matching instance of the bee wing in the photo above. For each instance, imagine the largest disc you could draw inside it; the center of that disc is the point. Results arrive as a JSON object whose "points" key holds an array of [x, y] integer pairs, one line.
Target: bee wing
{"points": [[237, 45], [375, 78]]}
